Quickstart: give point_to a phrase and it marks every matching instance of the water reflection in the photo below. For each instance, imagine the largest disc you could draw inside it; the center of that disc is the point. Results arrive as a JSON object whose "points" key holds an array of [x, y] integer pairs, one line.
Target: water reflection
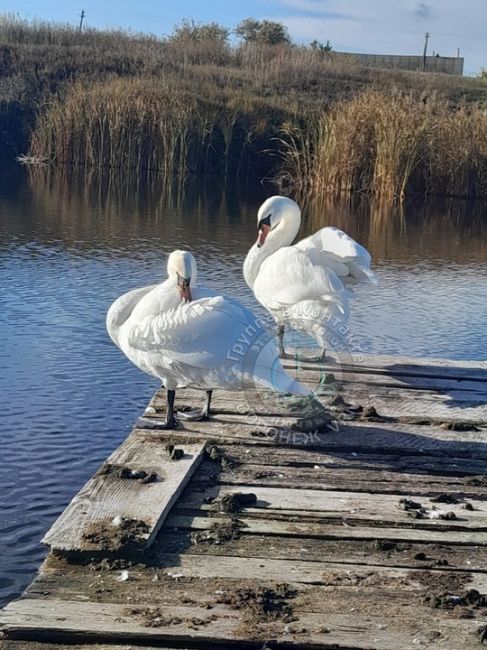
{"points": [[69, 244], [434, 232], [108, 210]]}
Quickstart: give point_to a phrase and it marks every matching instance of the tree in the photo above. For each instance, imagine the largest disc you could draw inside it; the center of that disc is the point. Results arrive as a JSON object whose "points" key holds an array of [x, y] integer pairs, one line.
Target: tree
{"points": [[266, 32], [189, 31], [323, 47], [200, 43]]}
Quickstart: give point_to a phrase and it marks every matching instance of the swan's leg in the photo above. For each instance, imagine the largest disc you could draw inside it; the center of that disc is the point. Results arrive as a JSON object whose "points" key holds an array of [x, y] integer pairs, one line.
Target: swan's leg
{"points": [[170, 422], [280, 334], [198, 416]]}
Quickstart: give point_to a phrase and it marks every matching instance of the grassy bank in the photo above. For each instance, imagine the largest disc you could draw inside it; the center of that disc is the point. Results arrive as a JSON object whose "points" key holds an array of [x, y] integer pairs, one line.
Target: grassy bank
{"points": [[186, 105]]}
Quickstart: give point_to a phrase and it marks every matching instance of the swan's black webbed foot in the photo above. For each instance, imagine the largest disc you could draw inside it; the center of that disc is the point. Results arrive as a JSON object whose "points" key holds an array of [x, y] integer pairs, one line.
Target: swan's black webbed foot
{"points": [[152, 423], [193, 416], [169, 423], [197, 415], [287, 355], [320, 359]]}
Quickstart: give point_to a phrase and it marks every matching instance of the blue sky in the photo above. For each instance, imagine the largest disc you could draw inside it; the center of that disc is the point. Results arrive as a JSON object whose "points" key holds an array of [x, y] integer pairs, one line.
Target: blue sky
{"points": [[377, 26]]}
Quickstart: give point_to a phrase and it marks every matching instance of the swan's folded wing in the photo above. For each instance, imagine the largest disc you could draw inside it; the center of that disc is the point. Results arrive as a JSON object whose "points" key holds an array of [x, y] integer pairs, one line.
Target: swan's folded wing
{"points": [[334, 249], [202, 333], [289, 276], [121, 309]]}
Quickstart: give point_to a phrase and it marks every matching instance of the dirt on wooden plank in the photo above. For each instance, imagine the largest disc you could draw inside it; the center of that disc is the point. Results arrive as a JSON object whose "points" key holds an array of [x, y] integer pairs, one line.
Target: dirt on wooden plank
{"points": [[236, 501], [219, 533], [123, 472], [120, 534], [260, 605], [155, 617]]}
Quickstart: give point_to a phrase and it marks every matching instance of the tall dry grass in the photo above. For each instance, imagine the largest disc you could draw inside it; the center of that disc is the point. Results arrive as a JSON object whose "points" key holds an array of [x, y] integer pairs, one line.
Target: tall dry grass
{"points": [[151, 124], [134, 124], [388, 145]]}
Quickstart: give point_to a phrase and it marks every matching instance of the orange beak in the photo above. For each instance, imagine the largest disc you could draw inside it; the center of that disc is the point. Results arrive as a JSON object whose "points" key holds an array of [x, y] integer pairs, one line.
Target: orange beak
{"points": [[263, 232]]}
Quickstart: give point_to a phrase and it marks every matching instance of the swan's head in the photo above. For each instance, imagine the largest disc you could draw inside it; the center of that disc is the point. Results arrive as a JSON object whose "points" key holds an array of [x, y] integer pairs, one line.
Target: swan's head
{"points": [[277, 211], [181, 267]]}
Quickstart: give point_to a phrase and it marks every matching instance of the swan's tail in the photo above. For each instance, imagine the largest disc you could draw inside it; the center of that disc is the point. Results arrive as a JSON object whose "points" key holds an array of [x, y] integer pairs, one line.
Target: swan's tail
{"points": [[269, 373]]}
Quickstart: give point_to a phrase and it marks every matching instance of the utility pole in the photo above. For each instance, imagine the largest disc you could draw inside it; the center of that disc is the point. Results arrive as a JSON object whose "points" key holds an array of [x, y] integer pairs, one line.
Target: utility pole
{"points": [[458, 52], [426, 38], [82, 15]]}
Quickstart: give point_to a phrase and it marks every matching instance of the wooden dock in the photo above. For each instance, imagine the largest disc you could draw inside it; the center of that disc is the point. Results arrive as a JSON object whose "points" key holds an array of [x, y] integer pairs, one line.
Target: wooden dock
{"points": [[276, 526]]}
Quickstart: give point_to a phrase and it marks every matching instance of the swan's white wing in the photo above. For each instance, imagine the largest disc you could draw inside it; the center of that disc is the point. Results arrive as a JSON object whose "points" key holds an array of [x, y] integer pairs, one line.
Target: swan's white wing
{"points": [[334, 249], [199, 333], [215, 333], [289, 276], [122, 309]]}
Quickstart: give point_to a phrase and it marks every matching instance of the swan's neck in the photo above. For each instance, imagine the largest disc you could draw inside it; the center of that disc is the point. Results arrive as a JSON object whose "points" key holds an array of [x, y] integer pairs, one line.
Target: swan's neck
{"points": [[282, 235]]}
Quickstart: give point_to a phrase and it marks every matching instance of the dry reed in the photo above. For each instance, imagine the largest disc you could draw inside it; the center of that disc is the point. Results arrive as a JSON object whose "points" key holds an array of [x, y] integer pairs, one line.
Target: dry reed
{"points": [[388, 145], [131, 124]]}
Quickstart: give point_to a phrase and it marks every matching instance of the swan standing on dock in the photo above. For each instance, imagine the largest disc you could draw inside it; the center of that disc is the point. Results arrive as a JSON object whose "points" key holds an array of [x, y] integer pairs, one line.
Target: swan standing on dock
{"points": [[187, 335], [303, 286]]}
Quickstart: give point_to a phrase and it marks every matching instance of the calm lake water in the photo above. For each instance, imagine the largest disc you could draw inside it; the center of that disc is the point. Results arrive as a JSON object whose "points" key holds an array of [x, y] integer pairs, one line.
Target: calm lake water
{"points": [[69, 247]]}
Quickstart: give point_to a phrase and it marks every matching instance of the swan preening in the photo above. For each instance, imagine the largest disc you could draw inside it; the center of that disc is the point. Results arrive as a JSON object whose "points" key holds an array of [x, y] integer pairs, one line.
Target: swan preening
{"points": [[305, 286], [187, 335]]}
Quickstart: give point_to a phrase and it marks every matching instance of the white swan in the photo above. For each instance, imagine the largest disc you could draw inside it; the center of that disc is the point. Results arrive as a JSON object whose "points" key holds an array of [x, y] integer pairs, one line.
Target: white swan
{"points": [[187, 335], [303, 286]]}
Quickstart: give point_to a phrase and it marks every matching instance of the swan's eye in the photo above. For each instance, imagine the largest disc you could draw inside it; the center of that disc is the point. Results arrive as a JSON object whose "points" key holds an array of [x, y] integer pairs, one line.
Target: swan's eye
{"points": [[265, 222]]}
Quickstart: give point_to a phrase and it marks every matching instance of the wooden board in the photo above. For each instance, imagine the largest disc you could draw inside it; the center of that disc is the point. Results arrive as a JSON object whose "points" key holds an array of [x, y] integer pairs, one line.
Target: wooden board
{"points": [[12, 644], [352, 553], [119, 623], [399, 366], [345, 506], [330, 478], [303, 528], [403, 439], [87, 524], [391, 401]]}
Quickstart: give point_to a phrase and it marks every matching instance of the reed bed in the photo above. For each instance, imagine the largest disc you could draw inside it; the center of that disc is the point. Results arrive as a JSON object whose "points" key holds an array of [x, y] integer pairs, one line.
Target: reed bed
{"points": [[131, 123], [183, 105], [151, 124], [389, 145]]}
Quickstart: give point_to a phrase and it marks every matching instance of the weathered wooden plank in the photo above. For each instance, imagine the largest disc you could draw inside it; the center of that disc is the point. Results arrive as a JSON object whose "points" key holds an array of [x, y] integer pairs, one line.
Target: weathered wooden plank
{"points": [[348, 506], [400, 366], [111, 512], [395, 403], [391, 401], [302, 571], [326, 531], [222, 624], [332, 381], [211, 568], [352, 553], [13, 644], [331, 478], [354, 437], [427, 466]]}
